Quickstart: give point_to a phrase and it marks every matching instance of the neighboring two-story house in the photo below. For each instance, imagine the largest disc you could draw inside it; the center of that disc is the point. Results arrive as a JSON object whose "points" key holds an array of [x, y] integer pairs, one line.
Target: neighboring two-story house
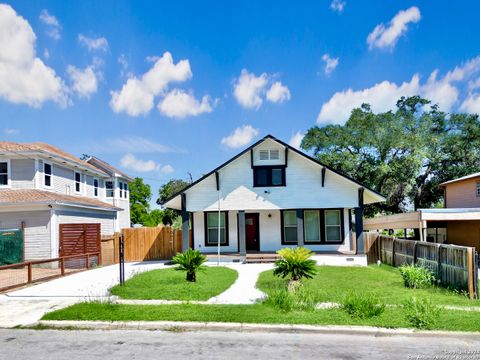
{"points": [[458, 222], [270, 196], [43, 187]]}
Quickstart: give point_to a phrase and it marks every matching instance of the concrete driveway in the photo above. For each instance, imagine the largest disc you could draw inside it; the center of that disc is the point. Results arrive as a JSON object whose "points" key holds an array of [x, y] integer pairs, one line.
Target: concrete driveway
{"points": [[28, 305]]}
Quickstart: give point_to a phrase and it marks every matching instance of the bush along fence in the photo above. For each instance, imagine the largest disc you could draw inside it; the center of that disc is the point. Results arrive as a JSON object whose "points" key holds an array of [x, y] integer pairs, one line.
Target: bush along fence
{"points": [[454, 266]]}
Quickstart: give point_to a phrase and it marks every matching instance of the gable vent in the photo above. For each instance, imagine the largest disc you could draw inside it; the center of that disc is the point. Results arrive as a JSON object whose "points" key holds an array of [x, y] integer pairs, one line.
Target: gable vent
{"points": [[274, 154], [264, 155]]}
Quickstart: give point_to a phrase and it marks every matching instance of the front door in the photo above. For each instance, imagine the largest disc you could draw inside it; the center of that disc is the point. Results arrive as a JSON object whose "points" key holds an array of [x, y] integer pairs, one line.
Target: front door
{"points": [[252, 237]]}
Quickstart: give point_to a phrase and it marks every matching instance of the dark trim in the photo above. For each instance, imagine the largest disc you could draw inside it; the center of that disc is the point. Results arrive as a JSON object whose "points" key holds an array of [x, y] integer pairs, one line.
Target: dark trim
{"points": [[283, 242], [217, 180], [286, 157], [192, 224], [251, 157], [323, 176], [323, 235], [251, 151], [269, 175], [205, 225]]}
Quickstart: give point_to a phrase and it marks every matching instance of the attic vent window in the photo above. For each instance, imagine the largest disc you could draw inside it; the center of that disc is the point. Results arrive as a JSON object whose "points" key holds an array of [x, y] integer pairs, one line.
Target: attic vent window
{"points": [[269, 154]]}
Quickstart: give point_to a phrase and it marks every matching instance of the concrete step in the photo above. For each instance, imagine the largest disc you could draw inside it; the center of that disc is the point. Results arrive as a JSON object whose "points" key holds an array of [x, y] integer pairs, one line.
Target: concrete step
{"points": [[261, 258]]}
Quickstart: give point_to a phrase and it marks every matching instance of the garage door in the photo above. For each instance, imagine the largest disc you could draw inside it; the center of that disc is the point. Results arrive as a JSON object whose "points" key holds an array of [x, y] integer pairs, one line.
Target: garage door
{"points": [[76, 239]]}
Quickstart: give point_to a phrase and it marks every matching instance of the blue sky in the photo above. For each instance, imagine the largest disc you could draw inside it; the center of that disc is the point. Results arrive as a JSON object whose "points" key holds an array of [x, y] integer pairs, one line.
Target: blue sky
{"points": [[160, 89]]}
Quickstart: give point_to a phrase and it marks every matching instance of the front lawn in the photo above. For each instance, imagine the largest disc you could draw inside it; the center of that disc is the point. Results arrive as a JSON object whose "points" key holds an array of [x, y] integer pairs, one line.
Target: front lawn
{"points": [[258, 313], [332, 283], [170, 284]]}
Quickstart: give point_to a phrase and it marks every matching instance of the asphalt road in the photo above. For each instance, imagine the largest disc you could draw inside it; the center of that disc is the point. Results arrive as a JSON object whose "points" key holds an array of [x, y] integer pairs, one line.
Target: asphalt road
{"points": [[139, 344]]}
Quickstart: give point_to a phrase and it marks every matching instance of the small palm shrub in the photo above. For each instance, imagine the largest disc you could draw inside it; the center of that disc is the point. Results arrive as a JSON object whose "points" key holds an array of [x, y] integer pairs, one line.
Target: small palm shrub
{"points": [[421, 313], [416, 277], [301, 299], [190, 261], [362, 306], [296, 264]]}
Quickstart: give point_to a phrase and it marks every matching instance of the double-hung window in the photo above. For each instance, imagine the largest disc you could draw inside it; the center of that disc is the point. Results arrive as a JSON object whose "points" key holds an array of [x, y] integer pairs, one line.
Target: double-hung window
{"points": [[109, 189], [47, 174], [216, 225], [4, 174], [268, 176], [311, 223], [78, 182], [289, 220], [95, 187], [333, 226]]}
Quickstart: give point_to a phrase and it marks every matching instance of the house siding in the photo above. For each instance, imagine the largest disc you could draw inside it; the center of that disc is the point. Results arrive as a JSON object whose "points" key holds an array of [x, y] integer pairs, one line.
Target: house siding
{"points": [[462, 194], [23, 173], [464, 233], [37, 231], [104, 218], [62, 180]]}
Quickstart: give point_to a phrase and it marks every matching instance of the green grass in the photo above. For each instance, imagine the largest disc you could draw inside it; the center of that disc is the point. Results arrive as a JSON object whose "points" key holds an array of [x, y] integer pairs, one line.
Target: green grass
{"points": [[333, 283], [170, 284], [258, 313]]}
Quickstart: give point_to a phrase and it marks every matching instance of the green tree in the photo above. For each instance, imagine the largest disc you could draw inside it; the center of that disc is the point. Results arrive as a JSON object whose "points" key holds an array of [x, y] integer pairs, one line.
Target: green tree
{"points": [[153, 218], [140, 195], [403, 154], [167, 190]]}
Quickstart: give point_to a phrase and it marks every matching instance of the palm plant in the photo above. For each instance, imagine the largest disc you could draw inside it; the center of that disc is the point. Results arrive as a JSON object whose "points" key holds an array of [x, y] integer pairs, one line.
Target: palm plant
{"points": [[296, 264], [190, 261]]}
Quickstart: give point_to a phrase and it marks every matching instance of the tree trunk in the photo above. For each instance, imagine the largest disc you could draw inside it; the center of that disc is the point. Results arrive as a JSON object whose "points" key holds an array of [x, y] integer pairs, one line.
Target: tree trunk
{"points": [[191, 276]]}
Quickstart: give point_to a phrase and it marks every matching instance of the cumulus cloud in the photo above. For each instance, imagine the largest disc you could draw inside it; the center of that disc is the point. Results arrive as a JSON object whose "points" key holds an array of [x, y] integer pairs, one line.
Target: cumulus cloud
{"points": [[167, 169], [296, 140], [278, 93], [385, 37], [471, 104], [240, 137], [137, 95], [24, 78], [250, 90], [338, 5], [84, 82], [93, 44], [52, 24], [330, 63], [129, 161], [179, 104], [384, 95]]}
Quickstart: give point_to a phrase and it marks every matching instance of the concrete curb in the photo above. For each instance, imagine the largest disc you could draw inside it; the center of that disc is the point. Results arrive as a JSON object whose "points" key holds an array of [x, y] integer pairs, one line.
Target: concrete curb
{"points": [[189, 326]]}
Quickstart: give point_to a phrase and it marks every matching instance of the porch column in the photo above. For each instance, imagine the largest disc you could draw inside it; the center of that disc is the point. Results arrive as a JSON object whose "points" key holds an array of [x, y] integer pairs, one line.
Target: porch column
{"points": [[300, 236], [359, 223], [185, 229], [242, 248]]}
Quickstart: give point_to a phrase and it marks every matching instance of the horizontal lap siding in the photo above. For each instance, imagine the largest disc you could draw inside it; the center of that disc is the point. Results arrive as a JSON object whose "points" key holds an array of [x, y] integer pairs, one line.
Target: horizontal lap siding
{"points": [[23, 173], [37, 231], [63, 180], [462, 194], [105, 219]]}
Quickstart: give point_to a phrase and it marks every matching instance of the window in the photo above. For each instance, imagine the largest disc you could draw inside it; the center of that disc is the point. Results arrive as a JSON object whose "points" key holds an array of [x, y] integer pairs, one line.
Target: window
{"points": [[311, 221], [264, 155], [4, 165], [120, 186], [95, 187], [268, 176], [212, 226], [478, 189], [109, 189], [289, 219], [125, 190], [333, 226], [274, 155], [78, 182], [269, 154], [47, 174]]}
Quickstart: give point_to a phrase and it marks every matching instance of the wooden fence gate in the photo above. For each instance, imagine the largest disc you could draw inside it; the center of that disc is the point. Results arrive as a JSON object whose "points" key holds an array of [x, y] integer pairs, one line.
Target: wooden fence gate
{"points": [[78, 239]]}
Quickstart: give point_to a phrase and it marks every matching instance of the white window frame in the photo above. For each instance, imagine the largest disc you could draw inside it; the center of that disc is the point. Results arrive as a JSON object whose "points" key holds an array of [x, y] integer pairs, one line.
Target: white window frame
{"points": [[44, 175], [113, 189], [75, 182], [339, 225], [284, 238], [9, 174], [98, 187]]}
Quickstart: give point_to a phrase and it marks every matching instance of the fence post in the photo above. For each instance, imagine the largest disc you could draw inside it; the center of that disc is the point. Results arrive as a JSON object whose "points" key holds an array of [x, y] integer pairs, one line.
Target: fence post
{"points": [[471, 275], [62, 266], [88, 262], [439, 261], [415, 253], [29, 270], [393, 253]]}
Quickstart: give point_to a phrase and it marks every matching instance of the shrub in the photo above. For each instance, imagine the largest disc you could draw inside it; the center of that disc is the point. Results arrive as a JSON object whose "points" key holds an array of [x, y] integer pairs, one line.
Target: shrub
{"points": [[416, 277], [296, 264], [190, 261], [362, 306], [301, 299], [421, 313]]}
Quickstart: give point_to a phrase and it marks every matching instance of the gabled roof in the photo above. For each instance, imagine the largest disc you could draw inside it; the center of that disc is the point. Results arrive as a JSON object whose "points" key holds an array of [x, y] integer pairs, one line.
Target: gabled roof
{"points": [[104, 166], [42, 197], [468, 177], [46, 150], [283, 144]]}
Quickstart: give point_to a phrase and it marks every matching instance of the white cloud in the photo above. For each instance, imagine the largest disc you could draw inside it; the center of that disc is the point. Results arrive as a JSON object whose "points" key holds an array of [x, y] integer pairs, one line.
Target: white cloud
{"points": [[384, 37], [167, 169], [179, 104], [84, 82], [129, 161], [471, 104], [10, 131], [129, 144], [137, 95], [249, 89], [338, 5], [330, 63], [52, 23], [278, 93], [93, 44], [240, 137], [384, 95], [24, 78], [296, 140]]}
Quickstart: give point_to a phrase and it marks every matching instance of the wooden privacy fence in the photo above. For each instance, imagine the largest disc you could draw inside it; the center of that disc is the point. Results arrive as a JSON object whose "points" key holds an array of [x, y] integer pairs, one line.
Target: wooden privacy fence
{"points": [[453, 265]]}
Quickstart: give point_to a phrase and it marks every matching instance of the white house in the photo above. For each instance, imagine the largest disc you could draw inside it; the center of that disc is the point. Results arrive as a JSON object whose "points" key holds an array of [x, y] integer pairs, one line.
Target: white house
{"points": [[42, 188], [270, 196]]}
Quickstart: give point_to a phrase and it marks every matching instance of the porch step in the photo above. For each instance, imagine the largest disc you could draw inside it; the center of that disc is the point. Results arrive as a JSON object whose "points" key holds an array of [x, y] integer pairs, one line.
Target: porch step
{"points": [[261, 258]]}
